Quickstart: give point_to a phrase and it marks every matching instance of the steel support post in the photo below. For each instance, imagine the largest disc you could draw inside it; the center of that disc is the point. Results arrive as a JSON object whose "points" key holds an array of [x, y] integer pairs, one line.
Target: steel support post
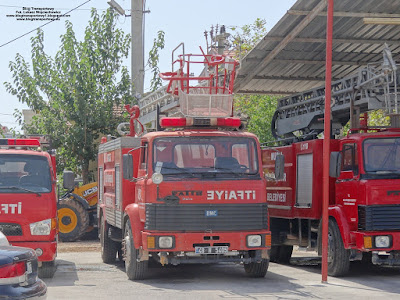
{"points": [[326, 144]]}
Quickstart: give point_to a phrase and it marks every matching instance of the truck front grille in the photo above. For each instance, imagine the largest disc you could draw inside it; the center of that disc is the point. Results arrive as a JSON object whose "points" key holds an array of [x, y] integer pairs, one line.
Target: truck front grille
{"points": [[10, 229], [379, 217], [203, 217]]}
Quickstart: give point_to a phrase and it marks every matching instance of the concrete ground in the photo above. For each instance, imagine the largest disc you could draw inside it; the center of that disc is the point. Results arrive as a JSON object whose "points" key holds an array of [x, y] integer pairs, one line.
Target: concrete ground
{"points": [[82, 275]]}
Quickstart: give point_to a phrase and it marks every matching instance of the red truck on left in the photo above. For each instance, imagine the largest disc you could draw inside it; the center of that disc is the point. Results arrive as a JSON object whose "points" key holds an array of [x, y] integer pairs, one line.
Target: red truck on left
{"points": [[28, 199]]}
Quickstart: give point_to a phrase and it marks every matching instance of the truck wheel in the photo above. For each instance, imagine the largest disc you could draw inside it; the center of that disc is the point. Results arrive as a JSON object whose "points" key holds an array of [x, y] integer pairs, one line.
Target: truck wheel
{"points": [[73, 220], [257, 270], [47, 269], [284, 254], [109, 247], [274, 254], [338, 256], [136, 270]]}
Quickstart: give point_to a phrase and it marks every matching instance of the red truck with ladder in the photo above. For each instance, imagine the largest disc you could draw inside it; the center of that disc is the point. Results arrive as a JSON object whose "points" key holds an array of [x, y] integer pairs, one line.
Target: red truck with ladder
{"points": [[28, 199], [192, 192], [364, 203]]}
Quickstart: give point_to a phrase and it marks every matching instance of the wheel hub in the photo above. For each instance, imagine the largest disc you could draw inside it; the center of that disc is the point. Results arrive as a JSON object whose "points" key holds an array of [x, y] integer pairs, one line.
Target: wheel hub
{"points": [[66, 220]]}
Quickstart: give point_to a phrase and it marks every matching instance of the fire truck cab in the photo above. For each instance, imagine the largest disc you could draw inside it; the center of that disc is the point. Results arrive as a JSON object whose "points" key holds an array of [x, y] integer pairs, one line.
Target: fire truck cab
{"points": [[185, 196], [28, 202], [364, 203], [193, 192]]}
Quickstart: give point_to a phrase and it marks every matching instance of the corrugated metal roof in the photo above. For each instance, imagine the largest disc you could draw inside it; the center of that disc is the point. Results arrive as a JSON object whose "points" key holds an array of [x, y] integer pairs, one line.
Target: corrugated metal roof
{"points": [[291, 57]]}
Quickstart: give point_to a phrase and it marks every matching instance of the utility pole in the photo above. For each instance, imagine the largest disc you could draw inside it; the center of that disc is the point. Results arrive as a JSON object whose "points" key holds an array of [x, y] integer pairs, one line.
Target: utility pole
{"points": [[137, 56], [137, 59]]}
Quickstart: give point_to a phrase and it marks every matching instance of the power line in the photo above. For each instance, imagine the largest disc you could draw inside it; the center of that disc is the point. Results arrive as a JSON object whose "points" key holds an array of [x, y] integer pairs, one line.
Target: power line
{"points": [[6, 114], [17, 38]]}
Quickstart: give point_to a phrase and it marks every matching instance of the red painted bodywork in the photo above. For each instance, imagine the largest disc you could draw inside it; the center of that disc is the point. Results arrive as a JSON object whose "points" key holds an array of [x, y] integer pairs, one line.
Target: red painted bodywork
{"points": [[347, 192], [135, 194], [34, 208]]}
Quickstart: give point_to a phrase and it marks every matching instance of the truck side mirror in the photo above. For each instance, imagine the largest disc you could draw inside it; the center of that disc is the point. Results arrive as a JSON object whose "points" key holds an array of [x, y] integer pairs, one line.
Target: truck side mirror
{"points": [[127, 166], [279, 166], [68, 180], [335, 164]]}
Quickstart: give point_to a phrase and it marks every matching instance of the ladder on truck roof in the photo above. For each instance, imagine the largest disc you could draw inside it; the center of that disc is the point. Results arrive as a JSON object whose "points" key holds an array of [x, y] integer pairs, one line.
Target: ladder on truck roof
{"points": [[372, 87], [208, 95]]}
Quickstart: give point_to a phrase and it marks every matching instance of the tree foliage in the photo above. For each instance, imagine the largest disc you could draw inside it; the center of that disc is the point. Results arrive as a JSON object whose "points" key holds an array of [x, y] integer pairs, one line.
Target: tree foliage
{"points": [[154, 58], [76, 92], [244, 38], [258, 109]]}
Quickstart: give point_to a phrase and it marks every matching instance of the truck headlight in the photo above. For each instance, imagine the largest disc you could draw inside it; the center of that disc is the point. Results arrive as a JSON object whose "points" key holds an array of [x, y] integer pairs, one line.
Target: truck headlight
{"points": [[165, 242], [382, 241], [41, 227], [254, 240]]}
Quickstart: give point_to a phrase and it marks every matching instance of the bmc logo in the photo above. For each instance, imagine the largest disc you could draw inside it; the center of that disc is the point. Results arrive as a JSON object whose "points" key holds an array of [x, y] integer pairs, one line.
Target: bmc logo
{"points": [[211, 213]]}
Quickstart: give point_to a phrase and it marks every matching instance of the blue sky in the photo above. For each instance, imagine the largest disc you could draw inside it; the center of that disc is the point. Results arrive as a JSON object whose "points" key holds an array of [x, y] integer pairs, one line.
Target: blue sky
{"points": [[181, 20]]}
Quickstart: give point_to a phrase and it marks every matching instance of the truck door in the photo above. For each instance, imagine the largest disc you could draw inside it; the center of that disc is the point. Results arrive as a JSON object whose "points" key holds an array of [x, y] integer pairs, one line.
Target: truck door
{"points": [[142, 179], [348, 182]]}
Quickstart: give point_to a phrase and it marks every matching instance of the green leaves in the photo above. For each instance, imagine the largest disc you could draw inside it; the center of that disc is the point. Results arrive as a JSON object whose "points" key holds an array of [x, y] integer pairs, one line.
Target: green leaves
{"points": [[244, 38], [77, 92], [259, 110], [154, 58]]}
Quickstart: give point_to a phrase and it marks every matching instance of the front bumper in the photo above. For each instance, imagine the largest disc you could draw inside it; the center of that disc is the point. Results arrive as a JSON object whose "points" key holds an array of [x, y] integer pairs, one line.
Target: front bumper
{"points": [[186, 242], [380, 256], [357, 238], [388, 259], [37, 291], [49, 249]]}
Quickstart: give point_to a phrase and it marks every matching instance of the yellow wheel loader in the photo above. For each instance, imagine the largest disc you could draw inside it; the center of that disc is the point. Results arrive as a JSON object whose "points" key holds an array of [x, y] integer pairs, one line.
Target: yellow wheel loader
{"points": [[77, 212]]}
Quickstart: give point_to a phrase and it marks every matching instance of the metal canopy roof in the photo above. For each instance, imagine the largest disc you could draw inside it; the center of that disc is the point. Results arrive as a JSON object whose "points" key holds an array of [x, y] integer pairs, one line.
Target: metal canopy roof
{"points": [[291, 57]]}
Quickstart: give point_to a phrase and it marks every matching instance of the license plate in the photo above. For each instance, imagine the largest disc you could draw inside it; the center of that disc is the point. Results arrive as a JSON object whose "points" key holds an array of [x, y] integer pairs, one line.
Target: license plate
{"points": [[29, 267], [211, 250]]}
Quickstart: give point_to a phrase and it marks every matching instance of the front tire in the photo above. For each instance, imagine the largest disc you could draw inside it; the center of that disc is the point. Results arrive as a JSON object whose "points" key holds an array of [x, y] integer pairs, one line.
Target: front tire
{"points": [[338, 256], [109, 247], [47, 270], [136, 270], [257, 269]]}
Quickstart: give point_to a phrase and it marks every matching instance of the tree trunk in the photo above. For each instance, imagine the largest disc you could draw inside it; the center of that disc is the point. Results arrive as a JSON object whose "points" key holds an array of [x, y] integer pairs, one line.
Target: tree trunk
{"points": [[85, 171]]}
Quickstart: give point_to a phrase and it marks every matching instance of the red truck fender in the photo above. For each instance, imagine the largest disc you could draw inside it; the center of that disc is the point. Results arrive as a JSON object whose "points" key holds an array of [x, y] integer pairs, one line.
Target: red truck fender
{"points": [[336, 213], [132, 214]]}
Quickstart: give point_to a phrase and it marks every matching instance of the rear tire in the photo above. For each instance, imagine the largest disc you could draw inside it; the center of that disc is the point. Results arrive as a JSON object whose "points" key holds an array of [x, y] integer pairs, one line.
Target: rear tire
{"points": [[284, 254], [109, 247], [47, 270], [73, 220], [274, 254], [257, 270], [338, 256], [136, 270]]}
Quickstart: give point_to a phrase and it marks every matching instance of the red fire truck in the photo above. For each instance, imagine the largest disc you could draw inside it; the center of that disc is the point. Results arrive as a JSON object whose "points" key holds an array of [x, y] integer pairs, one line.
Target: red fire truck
{"points": [[191, 193], [364, 203], [28, 202]]}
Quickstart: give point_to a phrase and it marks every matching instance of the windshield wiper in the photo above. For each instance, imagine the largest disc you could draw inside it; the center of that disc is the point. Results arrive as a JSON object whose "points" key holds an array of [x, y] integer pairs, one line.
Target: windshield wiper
{"points": [[177, 171], [19, 188], [229, 171]]}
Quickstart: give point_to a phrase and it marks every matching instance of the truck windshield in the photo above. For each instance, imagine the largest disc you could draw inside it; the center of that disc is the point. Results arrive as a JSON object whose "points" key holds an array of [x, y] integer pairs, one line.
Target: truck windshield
{"points": [[24, 174], [212, 157], [382, 155]]}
